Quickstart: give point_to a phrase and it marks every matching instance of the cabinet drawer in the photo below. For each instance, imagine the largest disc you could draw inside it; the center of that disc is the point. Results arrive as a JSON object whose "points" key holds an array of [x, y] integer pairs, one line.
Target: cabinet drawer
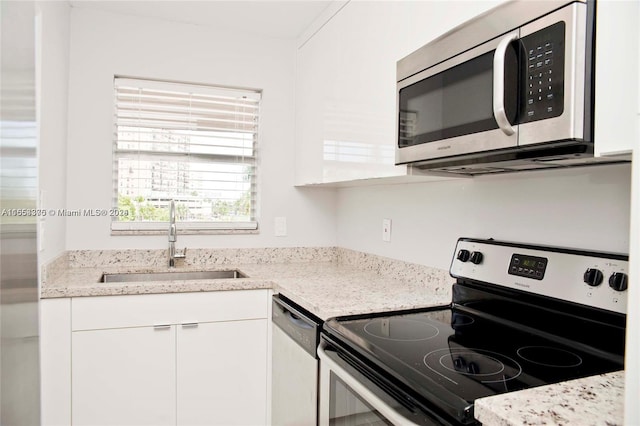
{"points": [[91, 313]]}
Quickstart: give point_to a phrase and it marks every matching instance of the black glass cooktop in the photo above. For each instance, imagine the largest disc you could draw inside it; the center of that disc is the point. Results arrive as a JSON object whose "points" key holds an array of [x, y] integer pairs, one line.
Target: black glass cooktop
{"points": [[452, 356]]}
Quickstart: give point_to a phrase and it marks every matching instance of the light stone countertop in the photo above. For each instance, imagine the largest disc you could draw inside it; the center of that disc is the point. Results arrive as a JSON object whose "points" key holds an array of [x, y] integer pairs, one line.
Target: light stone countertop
{"points": [[83, 282], [334, 282], [326, 288], [596, 400], [334, 290]]}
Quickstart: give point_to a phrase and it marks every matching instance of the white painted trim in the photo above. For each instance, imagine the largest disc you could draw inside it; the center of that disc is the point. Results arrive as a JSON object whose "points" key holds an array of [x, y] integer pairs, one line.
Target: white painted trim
{"points": [[326, 15]]}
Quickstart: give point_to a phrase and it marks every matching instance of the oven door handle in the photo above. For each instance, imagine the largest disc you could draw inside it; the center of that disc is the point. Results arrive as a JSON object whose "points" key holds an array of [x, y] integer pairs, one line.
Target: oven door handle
{"points": [[499, 112], [385, 410]]}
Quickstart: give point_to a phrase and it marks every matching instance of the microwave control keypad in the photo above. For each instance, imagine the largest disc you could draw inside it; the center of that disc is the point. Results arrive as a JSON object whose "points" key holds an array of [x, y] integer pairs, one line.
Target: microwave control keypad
{"points": [[544, 87]]}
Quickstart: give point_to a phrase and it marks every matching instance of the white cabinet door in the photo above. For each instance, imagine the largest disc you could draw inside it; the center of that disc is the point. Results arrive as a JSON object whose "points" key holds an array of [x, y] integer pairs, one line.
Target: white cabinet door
{"points": [[55, 362], [346, 87], [345, 97], [222, 373], [632, 353], [616, 76], [124, 376]]}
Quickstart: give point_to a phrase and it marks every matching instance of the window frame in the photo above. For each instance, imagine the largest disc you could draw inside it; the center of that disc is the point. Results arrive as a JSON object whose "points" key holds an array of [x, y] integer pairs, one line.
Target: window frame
{"points": [[188, 227]]}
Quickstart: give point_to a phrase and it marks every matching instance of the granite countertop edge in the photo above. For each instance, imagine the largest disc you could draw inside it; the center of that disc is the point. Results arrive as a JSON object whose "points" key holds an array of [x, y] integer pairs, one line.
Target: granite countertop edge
{"points": [[86, 282], [589, 401]]}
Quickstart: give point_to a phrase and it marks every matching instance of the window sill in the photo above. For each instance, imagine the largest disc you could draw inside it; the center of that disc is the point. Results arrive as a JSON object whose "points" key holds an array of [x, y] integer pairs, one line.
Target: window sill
{"points": [[143, 232], [184, 228]]}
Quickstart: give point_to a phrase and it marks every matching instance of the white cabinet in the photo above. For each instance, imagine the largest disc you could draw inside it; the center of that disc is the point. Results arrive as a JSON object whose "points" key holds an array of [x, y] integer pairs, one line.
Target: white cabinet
{"points": [[632, 349], [55, 362], [632, 355], [345, 98], [617, 102], [162, 359], [124, 376], [222, 373], [346, 86]]}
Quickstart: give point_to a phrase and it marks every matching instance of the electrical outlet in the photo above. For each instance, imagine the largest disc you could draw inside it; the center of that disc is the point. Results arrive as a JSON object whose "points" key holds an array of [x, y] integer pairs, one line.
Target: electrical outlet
{"points": [[386, 230]]}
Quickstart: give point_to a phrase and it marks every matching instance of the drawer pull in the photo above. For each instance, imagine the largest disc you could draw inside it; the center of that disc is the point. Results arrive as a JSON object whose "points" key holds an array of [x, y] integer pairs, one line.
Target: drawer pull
{"points": [[161, 326], [189, 324]]}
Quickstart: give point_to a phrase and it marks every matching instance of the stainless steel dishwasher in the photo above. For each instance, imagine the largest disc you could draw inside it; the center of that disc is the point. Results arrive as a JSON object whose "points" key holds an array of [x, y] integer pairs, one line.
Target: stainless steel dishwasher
{"points": [[296, 334]]}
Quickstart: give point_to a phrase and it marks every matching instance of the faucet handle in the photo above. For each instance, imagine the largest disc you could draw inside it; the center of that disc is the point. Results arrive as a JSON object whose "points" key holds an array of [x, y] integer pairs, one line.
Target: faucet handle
{"points": [[181, 255]]}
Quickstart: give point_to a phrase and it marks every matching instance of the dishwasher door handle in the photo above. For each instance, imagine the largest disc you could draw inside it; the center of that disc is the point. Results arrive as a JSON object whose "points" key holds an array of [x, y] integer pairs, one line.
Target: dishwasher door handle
{"points": [[296, 320], [292, 315]]}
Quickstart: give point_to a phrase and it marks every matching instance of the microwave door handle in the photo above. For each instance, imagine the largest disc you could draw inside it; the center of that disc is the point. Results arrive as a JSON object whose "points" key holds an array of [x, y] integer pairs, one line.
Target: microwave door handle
{"points": [[498, 84]]}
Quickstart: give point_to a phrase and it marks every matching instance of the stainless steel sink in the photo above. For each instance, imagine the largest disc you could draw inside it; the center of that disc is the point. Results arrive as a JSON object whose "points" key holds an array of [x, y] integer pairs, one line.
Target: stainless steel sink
{"points": [[171, 276]]}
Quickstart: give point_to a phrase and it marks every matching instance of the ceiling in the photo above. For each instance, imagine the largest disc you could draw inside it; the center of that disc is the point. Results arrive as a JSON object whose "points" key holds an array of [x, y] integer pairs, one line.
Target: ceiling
{"points": [[280, 19]]}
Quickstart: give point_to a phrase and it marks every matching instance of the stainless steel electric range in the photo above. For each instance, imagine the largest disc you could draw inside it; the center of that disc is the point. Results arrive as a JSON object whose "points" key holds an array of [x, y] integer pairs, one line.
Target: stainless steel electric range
{"points": [[521, 316]]}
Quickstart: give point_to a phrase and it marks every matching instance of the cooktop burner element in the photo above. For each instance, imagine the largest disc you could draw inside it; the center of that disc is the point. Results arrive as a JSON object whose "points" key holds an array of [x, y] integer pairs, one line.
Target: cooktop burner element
{"points": [[505, 330], [549, 357], [487, 366], [400, 329]]}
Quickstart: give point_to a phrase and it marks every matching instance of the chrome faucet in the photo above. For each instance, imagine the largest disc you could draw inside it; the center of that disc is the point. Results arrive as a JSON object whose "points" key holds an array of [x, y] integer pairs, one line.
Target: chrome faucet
{"points": [[173, 237]]}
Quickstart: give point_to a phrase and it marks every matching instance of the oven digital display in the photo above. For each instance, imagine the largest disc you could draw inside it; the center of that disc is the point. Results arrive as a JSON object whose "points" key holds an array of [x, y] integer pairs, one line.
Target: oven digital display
{"points": [[527, 266]]}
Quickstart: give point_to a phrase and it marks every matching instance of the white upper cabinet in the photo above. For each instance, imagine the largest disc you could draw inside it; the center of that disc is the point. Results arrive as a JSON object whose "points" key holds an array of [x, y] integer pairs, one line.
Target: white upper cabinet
{"points": [[346, 83], [345, 99], [617, 103], [346, 86]]}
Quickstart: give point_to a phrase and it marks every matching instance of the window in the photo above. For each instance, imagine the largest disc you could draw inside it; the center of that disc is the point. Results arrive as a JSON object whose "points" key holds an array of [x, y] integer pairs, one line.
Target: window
{"points": [[194, 144]]}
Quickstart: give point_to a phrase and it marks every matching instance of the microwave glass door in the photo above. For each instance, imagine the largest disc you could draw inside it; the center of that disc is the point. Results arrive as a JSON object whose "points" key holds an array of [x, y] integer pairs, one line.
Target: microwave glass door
{"points": [[457, 101]]}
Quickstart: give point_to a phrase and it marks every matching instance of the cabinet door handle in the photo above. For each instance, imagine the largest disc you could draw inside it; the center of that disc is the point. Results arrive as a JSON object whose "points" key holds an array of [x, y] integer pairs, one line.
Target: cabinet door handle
{"points": [[189, 324], [161, 326]]}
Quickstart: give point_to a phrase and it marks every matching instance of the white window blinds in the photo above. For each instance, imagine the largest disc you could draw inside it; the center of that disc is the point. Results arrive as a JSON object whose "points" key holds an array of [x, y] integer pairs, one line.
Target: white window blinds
{"points": [[193, 144]]}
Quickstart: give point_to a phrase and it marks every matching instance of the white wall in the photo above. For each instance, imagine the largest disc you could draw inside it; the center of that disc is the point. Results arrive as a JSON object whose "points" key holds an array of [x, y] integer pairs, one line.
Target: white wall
{"points": [[585, 207], [53, 73], [104, 44], [582, 207]]}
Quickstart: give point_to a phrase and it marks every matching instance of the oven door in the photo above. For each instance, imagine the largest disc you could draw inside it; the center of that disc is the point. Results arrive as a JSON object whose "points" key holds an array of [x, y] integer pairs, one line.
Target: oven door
{"points": [[464, 105], [349, 398]]}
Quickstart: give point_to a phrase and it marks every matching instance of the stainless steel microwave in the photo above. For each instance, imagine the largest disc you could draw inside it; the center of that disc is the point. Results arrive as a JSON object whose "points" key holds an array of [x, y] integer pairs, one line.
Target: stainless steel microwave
{"points": [[509, 90]]}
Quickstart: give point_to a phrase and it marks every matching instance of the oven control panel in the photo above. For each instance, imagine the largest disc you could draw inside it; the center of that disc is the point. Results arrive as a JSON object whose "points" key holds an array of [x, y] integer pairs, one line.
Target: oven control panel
{"points": [[528, 266], [591, 278]]}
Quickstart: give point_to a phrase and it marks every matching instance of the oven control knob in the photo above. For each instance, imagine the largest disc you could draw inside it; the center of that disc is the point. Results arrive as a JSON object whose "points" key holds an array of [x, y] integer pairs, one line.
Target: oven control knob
{"points": [[618, 281], [463, 255], [593, 277], [476, 257]]}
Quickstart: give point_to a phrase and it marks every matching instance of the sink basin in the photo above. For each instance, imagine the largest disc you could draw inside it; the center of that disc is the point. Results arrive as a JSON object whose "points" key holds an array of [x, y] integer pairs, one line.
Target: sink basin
{"points": [[171, 276]]}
